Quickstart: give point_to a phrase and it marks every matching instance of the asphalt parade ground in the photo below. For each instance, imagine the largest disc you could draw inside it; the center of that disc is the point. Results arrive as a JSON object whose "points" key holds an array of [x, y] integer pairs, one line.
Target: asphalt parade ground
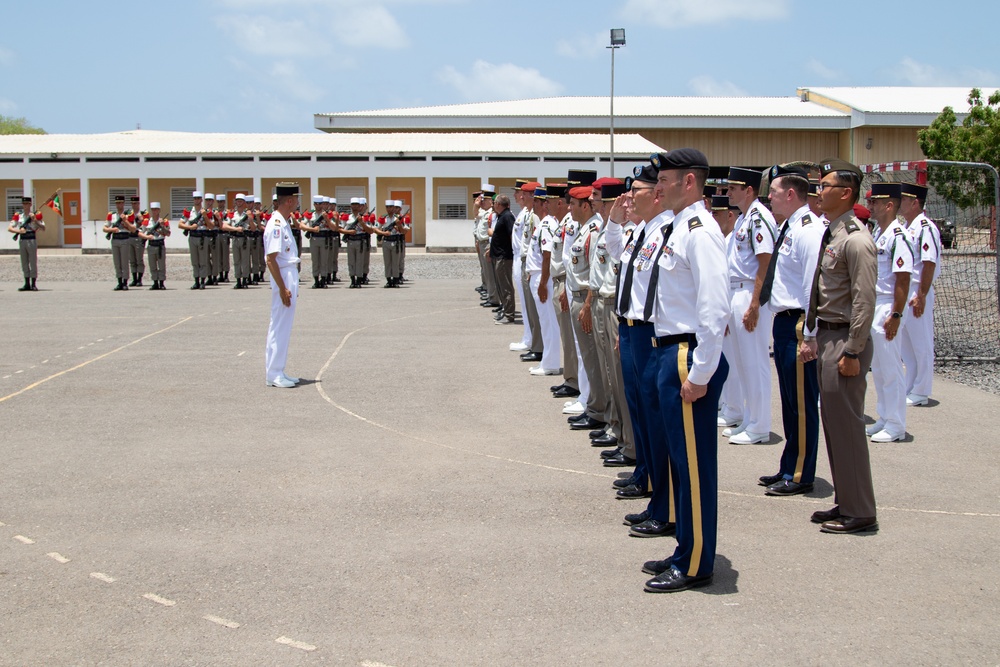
{"points": [[419, 500]]}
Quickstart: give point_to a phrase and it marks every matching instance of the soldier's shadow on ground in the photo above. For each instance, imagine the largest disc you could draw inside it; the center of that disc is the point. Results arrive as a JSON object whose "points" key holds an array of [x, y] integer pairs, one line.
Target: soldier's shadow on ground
{"points": [[724, 581], [821, 489]]}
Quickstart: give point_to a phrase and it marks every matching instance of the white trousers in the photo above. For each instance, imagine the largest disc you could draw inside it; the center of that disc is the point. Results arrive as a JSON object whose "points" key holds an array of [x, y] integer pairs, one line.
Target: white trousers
{"points": [[731, 401], [551, 350], [519, 289], [887, 372], [280, 328], [917, 347], [750, 359]]}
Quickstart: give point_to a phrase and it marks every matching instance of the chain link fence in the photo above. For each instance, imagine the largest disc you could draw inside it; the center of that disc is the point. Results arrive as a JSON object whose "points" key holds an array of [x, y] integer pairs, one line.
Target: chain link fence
{"points": [[962, 200]]}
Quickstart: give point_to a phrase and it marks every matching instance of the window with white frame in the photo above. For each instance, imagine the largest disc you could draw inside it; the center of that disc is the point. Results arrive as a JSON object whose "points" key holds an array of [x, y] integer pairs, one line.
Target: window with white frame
{"points": [[180, 199], [344, 195], [128, 193], [453, 203], [13, 202]]}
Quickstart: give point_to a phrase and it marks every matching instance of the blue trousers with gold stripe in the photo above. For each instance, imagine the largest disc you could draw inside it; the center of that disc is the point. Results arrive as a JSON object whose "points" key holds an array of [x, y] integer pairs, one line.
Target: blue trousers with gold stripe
{"points": [[692, 453], [799, 388], [639, 376]]}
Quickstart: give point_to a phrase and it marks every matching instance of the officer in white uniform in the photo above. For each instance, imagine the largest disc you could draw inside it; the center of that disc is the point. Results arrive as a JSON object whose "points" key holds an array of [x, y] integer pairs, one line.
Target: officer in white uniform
{"points": [[282, 259], [749, 251], [892, 290], [536, 263], [918, 334]]}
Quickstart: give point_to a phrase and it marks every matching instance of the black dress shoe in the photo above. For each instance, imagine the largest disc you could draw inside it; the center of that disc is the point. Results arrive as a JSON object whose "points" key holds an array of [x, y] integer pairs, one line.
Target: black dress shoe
{"points": [[608, 453], [672, 581], [490, 304], [597, 433], [633, 491], [565, 392], [822, 516], [625, 482], [656, 567], [531, 356], [574, 419], [604, 440], [652, 528], [556, 387], [589, 423], [632, 519], [787, 487], [850, 524], [768, 480], [619, 460]]}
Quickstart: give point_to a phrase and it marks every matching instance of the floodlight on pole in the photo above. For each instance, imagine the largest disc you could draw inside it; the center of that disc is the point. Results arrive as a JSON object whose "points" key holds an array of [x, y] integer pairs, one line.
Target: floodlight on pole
{"points": [[617, 41]]}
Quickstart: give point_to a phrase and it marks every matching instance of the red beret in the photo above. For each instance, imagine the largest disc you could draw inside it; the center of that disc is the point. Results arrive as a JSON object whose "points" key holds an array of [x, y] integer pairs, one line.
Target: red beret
{"points": [[581, 192], [607, 180], [862, 213], [530, 187]]}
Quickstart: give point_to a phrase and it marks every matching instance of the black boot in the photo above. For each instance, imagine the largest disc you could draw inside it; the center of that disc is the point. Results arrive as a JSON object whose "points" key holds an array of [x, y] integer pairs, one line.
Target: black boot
{"points": [[316, 284], [27, 286], [138, 280], [354, 282], [34, 287], [204, 281], [335, 278], [197, 284]]}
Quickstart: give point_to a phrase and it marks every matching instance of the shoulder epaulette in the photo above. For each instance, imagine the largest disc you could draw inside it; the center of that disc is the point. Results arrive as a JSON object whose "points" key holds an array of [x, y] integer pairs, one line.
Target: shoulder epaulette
{"points": [[807, 219], [898, 231], [852, 226], [694, 223]]}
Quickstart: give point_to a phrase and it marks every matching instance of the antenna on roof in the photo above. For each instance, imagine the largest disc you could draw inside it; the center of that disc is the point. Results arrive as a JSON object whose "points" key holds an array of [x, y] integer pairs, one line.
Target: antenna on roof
{"points": [[138, 126]]}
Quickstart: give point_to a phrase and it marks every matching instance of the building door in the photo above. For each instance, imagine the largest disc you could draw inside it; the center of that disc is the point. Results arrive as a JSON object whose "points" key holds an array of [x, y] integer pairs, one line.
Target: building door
{"points": [[72, 216], [406, 196]]}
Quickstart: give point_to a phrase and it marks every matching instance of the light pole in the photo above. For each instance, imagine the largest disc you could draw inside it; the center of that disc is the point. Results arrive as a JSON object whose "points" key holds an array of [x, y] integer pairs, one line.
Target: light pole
{"points": [[617, 41]]}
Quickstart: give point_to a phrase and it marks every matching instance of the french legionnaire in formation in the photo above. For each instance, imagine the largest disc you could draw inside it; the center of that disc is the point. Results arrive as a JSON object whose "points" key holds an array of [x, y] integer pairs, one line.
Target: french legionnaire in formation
{"points": [[23, 226], [256, 241], [315, 225], [136, 244], [237, 225], [154, 231], [196, 225], [356, 232], [118, 227], [390, 229]]}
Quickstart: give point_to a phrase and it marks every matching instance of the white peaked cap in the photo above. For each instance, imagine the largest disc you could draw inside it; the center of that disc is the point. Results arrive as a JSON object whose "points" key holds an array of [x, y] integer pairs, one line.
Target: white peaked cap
{"points": [[241, 197], [355, 200], [154, 204], [317, 199], [209, 195], [196, 194]]}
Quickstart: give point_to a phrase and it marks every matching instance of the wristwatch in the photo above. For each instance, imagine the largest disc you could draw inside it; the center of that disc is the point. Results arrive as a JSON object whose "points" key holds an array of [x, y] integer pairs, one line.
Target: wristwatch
{"points": [[896, 316], [850, 355]]}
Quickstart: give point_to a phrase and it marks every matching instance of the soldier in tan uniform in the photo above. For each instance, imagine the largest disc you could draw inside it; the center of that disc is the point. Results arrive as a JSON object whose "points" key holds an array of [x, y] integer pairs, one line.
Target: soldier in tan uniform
{"points": [[841, 310]]}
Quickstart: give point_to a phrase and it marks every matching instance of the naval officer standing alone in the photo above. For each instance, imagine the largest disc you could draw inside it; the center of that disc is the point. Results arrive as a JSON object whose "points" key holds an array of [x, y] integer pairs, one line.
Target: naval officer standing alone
{"points": [[282, 259]]}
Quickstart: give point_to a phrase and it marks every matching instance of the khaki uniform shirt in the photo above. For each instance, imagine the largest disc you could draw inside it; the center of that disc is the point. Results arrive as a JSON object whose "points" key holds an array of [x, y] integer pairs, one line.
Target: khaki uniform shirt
{"points": [[844, 289]]}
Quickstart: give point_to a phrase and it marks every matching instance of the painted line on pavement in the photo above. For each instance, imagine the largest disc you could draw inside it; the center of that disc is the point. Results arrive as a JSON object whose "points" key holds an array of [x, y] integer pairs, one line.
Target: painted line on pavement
{"points": [[102, 577], [24, 540], [218, 620], [87, 363], [295, 644], [57, 557], [159, 600]]}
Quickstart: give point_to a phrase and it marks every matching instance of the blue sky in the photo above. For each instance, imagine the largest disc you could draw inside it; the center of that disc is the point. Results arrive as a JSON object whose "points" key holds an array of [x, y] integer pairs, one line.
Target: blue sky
{"points": [[268, 65]]}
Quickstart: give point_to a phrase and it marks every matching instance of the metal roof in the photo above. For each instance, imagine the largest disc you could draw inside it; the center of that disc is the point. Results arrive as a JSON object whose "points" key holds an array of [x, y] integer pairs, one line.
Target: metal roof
{"points": [[151, 142], [591, 112], [890, 106]]}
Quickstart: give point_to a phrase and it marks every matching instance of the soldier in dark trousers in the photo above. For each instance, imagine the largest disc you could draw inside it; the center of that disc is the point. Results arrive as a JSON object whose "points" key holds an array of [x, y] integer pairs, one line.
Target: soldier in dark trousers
{"points": [[23, 227], [154, 232], [237, 226], [117, 229]]}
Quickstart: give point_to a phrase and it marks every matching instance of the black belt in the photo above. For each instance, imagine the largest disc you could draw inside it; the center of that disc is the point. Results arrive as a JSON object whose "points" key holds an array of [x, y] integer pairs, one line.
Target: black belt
{"points": [[633, 323], [832, 326], [676, 339], [352, 237], [791, 312], [120, 236], [28, 236], [156, 244], [196, 233], [237, 235]]}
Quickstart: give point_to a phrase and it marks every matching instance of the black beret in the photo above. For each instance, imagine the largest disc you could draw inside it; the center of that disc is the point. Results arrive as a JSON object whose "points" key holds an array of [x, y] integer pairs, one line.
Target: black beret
{"points": [[720, 202], [831, 165], [581, 176], [645, 173], [777, 171], [612, 191], [886, 191], [914, 190], [682, 158], [286, 189], [742, 176], [709, 191]]}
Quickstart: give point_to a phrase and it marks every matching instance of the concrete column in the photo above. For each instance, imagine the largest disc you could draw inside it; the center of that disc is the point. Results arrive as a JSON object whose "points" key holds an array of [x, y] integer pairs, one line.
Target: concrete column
{"points": [[85, 200], [26, 191], [257, 192], [313, 189], [144, 194], [199, 185], [430, 214], [372, 191]]}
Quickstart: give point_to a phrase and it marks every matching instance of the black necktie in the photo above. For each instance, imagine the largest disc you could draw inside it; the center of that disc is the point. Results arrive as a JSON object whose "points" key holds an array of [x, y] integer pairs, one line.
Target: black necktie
{"points": [[654, 276], [625, 293], [765, 290], [814, 293]]}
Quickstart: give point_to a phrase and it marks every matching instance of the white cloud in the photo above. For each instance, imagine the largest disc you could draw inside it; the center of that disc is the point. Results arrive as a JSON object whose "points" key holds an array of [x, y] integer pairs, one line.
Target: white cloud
{"points": [[707, 86], [915, 73], [265, 36], [583, 47], [372, 26], [683, 13], [7, 107], [6, 57], [507, 81], [822, 71]]}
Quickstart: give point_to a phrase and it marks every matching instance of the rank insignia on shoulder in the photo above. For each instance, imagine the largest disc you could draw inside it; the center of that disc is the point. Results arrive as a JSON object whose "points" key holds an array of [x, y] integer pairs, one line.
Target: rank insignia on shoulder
{"points": [[851, 227], [806, 219], [693, 224]]}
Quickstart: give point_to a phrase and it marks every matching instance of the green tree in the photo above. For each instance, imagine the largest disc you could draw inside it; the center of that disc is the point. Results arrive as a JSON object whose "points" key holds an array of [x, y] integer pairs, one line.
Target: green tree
{"points": [[975, 139], [11, 125]]}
